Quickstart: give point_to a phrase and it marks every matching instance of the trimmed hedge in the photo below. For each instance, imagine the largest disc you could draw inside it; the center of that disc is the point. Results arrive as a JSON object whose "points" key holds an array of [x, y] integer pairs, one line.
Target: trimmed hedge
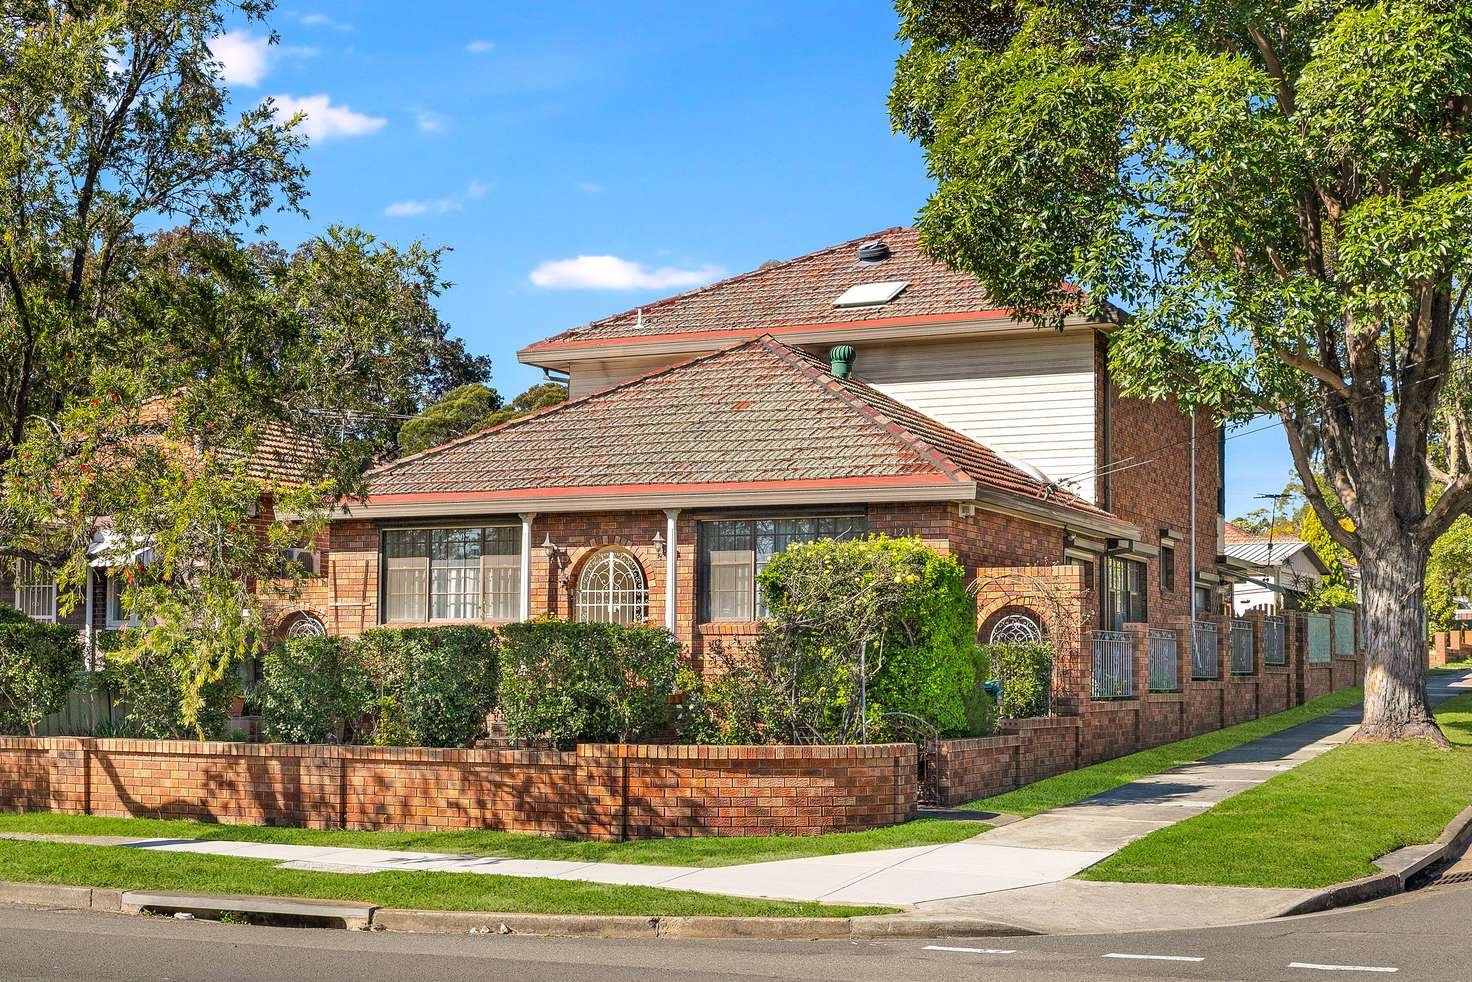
{"points": [[313, 690], [565, 682], [432, 686], [38, 665]]}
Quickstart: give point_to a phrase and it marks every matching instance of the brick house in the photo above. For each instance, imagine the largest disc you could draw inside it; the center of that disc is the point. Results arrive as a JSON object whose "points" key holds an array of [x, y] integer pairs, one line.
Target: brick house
{"points": [[860, 388]]}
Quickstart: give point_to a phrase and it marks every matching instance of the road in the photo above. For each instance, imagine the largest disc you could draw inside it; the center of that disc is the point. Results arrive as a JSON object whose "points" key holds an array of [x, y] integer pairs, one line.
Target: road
{"points": [[1421, 935]]}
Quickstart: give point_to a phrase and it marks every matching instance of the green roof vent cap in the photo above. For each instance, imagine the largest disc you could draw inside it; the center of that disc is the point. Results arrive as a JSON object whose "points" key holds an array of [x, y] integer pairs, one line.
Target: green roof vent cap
{"points": [[841, 358]]}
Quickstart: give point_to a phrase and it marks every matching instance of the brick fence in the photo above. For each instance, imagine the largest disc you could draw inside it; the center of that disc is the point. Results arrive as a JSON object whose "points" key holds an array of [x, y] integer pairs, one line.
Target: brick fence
{"points": [[1027, 750], [1449, 646], [599, 791]]}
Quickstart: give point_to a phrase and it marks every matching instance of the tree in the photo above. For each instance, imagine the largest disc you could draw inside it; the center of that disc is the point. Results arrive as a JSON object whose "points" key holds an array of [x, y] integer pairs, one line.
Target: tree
{"points": [[1280, 194], [162, 387], [1449, 575], [471, 408]]}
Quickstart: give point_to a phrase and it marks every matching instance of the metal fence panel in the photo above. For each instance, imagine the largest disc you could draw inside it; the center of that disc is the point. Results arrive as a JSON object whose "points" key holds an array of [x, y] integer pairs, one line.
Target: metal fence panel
{"points": [[1165, 660], [1318, 637], [1114, 665], [1243, 658], [1344, 632], [1205, 660], [1274, 641]]}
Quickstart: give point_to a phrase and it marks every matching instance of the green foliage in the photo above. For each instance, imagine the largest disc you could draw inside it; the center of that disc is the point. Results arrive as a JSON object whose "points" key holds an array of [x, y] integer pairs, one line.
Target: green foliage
{"points": [[431, 686], [1449, 575], [472, 408], [38, 666], [884, 619], [1026, 673], [460, 412], [567, 682], [153, 683], [312, 690], [1333, 589]]}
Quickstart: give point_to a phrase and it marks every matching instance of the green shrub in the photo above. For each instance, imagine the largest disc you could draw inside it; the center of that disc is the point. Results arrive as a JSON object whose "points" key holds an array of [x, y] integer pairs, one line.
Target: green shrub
{"points": [[312, 690], [430, 686], [734, 704], [568, 682], [889, 616], [150, 686], [1025, 671], [38, 666]]}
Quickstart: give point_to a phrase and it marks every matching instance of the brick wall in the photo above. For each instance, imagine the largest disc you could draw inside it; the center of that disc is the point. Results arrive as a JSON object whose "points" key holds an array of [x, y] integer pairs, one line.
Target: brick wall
{"points": [[599, 791], [1092, 730]]}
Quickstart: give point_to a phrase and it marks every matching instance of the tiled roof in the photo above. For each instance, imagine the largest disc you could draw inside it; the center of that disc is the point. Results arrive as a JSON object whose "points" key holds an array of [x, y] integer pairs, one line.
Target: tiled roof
{"points": [[280, 455], [799, 291], [757, 413]]}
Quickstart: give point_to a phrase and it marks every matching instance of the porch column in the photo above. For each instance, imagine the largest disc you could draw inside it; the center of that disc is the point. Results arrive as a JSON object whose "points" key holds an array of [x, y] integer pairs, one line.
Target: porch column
{"points": [[671, 565], [526, 564]]}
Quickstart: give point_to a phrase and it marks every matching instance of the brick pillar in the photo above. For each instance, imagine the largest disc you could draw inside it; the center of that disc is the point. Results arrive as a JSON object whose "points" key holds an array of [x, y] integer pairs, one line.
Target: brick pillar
{"points": [[1437, 655], [1140, 651]]}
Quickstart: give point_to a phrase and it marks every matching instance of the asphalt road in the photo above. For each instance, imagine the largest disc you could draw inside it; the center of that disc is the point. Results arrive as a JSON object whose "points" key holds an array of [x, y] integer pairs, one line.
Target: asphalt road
{"points": [[1422, 935]]}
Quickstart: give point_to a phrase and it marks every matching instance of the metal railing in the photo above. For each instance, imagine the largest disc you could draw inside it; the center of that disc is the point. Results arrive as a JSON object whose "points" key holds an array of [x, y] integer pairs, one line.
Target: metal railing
{"points": [[1205, 660], [1165, 660], [1114, 665], [1274, 641], [1243, 658]]}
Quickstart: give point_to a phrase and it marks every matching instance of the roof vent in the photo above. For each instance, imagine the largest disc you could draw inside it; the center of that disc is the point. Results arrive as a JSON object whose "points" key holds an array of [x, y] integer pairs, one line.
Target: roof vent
{"points": [[841, 360], [874, 251]]}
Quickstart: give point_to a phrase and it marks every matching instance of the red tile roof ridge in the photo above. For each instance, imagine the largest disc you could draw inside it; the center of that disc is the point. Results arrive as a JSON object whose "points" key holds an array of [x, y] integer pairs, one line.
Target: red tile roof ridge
{"points": [[812, 368], [718, 284]]}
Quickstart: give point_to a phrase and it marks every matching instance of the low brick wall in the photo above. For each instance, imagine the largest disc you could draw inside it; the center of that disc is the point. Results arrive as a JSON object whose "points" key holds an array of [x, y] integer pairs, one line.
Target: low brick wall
{"points": [[599, 791]]}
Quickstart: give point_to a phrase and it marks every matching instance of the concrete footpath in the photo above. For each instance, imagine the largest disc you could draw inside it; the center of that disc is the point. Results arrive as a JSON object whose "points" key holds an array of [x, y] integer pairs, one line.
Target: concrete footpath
{"points": [[1018, 873]]}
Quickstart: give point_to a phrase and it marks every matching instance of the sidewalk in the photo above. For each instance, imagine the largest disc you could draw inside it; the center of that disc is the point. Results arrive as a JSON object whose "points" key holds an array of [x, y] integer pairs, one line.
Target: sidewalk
{"points": [[1018, 873]]}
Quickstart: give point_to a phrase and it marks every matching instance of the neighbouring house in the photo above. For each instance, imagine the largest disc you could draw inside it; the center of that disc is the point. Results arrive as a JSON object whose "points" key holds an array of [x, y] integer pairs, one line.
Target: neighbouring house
{"points": [[863, 388], [1276, 571]]}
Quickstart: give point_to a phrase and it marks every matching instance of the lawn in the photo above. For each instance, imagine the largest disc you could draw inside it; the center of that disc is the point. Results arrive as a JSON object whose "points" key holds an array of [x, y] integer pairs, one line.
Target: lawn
{"points": [[711, 851], [1321, 823], [111, 866], [1073, 786]]}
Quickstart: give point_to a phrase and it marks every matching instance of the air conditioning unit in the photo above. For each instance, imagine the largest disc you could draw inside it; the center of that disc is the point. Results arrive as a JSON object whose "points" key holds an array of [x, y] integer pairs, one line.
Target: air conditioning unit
{"points": [[966, 509], [305, 558]]}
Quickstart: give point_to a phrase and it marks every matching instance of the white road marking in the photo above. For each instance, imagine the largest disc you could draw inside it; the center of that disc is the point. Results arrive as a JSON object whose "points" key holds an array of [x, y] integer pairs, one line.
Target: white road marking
{"points": [[972, 951], [1156, 958], [1344, 968]]}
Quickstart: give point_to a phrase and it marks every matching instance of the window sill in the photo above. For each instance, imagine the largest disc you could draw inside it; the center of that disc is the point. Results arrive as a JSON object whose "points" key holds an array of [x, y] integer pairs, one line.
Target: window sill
{"points": [[718, 628]]}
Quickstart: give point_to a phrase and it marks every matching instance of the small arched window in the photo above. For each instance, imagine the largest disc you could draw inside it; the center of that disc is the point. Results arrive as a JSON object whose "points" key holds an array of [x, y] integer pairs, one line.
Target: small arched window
{"points": [[612, 589], [1016, 628]]}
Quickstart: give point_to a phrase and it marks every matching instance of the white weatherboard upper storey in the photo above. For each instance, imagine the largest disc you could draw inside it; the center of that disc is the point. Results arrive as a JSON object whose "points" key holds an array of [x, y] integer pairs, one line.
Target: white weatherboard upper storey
{"points": [[1029, 397]]}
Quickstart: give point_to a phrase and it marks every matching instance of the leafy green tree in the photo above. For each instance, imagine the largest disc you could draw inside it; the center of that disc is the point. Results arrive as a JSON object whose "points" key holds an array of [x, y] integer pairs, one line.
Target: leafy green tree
{"points": [[471, 408], [1280, 194], [1449, 575], [182, 390]]}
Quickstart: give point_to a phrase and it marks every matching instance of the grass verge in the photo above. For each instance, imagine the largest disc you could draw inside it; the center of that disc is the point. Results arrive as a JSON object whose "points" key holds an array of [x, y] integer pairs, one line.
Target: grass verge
{"points": [[1073, 786], [1321, 823], [712, 851], [132, 869]]}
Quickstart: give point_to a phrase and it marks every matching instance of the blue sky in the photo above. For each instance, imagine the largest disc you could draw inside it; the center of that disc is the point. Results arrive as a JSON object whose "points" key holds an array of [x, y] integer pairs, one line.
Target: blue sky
{"points": [[581, 158]]}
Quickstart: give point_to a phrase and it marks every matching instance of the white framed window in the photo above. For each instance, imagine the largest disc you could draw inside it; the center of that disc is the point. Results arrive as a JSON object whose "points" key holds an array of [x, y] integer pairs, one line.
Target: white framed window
{"points": [[734, 551], [458, 573], [612, 589], [116, 615], [35, 591]]}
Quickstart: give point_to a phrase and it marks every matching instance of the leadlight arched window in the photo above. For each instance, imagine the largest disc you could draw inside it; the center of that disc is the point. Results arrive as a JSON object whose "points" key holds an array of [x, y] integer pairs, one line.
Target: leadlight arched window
{"points": [[306, 626], [1016, 628], [612, 589]]}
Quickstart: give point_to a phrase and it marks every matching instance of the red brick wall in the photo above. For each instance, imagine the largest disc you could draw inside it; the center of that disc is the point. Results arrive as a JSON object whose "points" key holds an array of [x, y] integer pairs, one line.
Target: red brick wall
{"points": [[600, 791]]}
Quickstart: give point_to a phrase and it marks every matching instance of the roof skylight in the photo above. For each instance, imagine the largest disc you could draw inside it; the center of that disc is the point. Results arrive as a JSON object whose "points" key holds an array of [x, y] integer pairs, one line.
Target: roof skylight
{"points": [[871, 294]]}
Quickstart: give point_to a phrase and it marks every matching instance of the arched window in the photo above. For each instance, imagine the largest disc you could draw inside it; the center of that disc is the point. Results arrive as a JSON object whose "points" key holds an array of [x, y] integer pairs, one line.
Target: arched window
{"points": [[612, 589], [306, 626], [1016, 628]]}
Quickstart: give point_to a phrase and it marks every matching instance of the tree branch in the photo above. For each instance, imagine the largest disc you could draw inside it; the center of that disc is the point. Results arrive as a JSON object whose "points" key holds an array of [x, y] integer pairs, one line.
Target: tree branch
{"points": [[1452, 505], [1315, 497]]}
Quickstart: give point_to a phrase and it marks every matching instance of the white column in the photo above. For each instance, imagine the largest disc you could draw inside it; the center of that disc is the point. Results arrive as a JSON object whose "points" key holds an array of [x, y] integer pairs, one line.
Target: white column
{"points": [[671, 566], [526, 564]]}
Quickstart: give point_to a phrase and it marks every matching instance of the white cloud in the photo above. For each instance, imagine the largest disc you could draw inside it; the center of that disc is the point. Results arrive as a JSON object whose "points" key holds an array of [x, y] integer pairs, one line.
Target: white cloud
{"points": [[474, 191], [613, 273], [589, 187], [323, 119], [244, 58], [480, 47], [429, 122], [322, 20]]}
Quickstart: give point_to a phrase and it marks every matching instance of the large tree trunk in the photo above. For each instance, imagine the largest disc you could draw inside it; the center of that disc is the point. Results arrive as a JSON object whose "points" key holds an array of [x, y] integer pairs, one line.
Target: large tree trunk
{"points": [[1396, 708]]}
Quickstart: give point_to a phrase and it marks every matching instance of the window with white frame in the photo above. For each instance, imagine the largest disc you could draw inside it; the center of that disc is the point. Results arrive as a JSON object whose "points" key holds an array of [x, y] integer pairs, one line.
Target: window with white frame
{"points": [[460, 573], [734, 551], [35, 591], [117, 614], [612, 589]]}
